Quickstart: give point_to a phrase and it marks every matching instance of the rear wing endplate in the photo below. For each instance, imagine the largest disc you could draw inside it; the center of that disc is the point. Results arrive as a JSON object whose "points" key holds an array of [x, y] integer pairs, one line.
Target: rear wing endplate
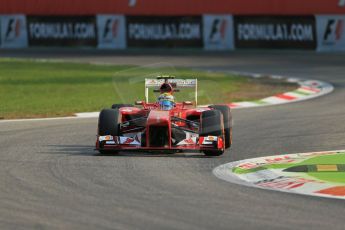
{"points": [[176, 83]]}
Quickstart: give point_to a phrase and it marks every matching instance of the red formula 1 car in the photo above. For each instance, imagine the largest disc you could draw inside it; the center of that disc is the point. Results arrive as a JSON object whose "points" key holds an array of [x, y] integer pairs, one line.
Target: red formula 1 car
{"points": [[158, 127]]}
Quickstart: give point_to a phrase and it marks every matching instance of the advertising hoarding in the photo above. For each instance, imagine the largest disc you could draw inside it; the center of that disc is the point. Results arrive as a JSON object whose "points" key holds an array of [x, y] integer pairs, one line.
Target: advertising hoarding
{"points": [[275, 32], [13, 31], [62, 30], [330, 32], [149, 31], [218, 32], [111, 30]]}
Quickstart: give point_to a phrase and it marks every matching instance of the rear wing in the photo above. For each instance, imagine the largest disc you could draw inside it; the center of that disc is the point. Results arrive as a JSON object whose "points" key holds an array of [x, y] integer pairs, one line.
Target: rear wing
{"points": [[176, 83]]}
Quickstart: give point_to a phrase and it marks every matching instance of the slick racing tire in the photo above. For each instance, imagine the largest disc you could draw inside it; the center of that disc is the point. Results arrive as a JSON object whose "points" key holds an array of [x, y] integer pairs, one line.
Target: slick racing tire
{"points": [[212, 125], [227, 120], [213, 153], [107, 152], [108, 124], [117, 106]]}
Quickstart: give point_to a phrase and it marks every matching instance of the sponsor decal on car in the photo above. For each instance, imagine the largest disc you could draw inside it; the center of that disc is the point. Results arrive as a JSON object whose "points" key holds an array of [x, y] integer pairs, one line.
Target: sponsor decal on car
{"points": [[208, 140], [128, 141], [106, 138], [129, 109], [177, 82], [200, 110], [126, 110], [188, 141], [110, 142]]}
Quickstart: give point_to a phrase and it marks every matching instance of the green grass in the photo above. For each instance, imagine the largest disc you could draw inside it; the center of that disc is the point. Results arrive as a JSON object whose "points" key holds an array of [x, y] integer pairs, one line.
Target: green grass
{"points": [[30, 88], [338, 177], [328, 176]]}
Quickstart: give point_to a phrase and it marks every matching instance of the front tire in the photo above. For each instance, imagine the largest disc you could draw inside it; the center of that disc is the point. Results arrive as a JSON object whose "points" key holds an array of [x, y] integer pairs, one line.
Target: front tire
{"points": [[227, 120], [212, 125], [213, 153], [108, 124]]}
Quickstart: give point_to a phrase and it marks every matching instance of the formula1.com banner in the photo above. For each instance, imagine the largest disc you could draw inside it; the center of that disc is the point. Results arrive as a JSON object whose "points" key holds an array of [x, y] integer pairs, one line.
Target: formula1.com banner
{"points": [[331, 32], [218, 32], [167, 31], [13, 32], [111, 30], [62, 30], [277, 32]]}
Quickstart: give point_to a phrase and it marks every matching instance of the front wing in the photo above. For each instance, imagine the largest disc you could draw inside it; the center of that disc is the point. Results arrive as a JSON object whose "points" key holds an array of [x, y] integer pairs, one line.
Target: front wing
{"points": [[117, 143]]}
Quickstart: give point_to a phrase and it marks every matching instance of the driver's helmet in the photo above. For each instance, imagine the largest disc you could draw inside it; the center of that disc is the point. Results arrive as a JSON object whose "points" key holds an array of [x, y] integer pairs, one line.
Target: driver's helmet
{"points": [[166, 88], [166, 104]]}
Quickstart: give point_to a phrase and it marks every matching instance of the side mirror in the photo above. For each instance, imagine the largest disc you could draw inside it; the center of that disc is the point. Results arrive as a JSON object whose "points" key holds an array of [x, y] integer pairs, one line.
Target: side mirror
{"points": [[187, 103], [139, 103]]}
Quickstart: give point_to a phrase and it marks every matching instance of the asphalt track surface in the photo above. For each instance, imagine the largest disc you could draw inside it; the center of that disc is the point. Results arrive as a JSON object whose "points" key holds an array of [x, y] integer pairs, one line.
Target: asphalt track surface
{"points": [[50, 177]]}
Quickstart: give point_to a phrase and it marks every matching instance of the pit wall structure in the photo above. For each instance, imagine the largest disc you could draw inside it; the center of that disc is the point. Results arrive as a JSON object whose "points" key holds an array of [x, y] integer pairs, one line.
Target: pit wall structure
{"points": [[201, 24]]}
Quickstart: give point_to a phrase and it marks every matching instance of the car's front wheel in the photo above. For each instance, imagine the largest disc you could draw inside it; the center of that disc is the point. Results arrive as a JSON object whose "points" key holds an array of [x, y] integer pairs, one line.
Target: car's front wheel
{"points": [[108, 124], [227, 119], [212, 125]]}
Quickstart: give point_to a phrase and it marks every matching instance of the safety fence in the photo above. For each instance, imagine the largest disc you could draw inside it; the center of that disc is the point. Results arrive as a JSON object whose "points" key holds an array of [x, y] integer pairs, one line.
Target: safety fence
{"points": [[208, 31]]}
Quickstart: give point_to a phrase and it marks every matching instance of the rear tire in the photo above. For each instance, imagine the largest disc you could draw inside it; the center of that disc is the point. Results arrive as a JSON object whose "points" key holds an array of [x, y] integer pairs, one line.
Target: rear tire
{"points": [[117, 106], [109, 124], [212, 125], [227, 120]]}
